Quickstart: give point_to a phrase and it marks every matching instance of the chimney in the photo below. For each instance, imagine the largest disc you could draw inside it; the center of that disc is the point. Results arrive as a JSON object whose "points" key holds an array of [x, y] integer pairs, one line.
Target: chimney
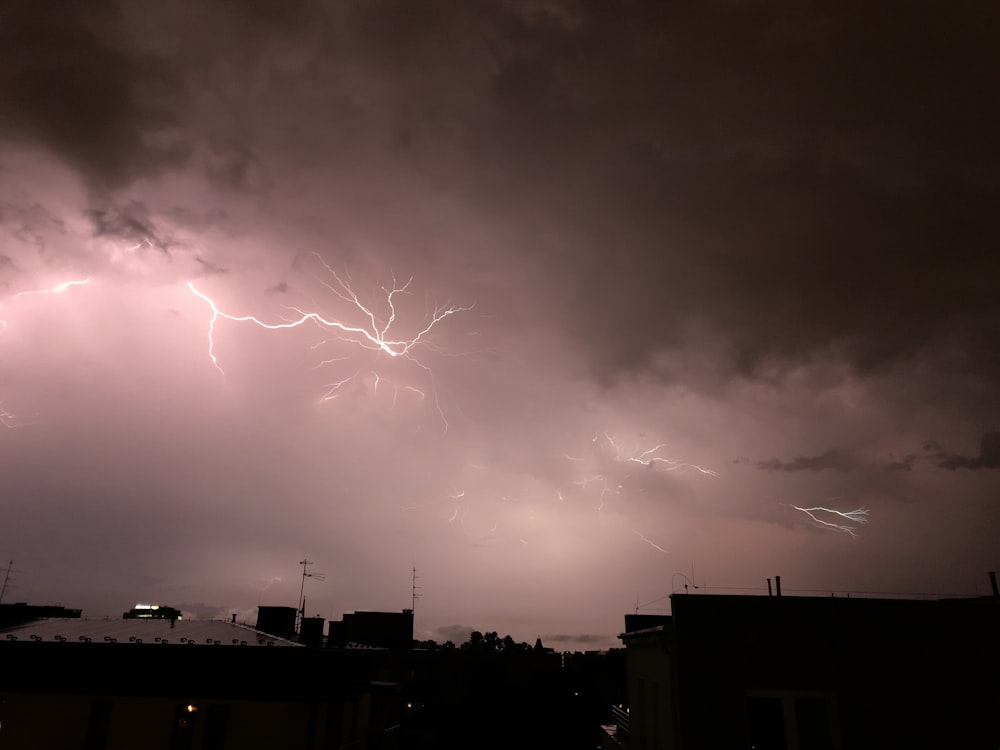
{"points": [[777, 585], [769, 587], [993, 583]]}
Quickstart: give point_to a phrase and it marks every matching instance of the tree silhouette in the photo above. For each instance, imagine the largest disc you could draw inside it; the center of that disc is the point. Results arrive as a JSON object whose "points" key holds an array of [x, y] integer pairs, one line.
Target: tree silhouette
{"points": [[491, 642]]}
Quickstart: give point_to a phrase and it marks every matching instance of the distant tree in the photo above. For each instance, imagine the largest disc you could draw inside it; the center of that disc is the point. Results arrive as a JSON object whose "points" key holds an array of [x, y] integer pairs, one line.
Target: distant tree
{"points": [[475, 642], [493, 643], [510, 646]]}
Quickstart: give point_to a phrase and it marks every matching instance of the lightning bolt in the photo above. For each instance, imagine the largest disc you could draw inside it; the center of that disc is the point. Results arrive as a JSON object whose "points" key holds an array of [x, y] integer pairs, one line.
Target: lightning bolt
{"points": [[53, 290], [650, 542], [607, 446], [617, 461], [857, 516], [650, 457], [376, 333]]}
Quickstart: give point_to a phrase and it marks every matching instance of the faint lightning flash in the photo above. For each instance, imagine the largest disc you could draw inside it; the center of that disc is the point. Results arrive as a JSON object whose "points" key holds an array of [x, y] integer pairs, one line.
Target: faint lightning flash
{"points": [[650, 457], [650, 542], [858, 516], [7, 418], [263, 584], [606, 443], [616, 463], [377, 334], [606, 488], [53, 290]]}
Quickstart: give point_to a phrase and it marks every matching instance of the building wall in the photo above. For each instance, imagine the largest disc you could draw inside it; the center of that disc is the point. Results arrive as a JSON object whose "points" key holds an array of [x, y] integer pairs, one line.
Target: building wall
{"points": [[108, 696], [797, 673], [59, 721], [651, 694]]}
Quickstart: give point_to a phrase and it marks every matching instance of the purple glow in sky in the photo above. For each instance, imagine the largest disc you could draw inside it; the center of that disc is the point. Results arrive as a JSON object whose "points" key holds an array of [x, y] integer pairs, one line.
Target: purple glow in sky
{"points": [[606, 292]]}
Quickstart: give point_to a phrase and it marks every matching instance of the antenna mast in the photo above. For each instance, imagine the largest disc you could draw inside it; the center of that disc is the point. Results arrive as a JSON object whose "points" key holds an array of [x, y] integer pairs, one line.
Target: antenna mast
{"points": [[6, 578], [413, 594], [305, 563]]}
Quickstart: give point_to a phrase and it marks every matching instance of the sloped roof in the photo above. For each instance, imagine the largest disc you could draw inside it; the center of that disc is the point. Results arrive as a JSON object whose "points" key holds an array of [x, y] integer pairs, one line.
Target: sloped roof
{"points": [[195, 632]]}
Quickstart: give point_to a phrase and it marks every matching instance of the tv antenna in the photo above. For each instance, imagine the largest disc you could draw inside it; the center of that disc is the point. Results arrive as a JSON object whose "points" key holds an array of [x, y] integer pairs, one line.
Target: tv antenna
{"points": [[413, 594], [305, 563], [6, 578]]}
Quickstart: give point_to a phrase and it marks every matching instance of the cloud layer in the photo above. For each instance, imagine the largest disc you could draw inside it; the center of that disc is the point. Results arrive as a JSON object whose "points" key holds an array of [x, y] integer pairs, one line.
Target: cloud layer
{"points": [[715, 265]]}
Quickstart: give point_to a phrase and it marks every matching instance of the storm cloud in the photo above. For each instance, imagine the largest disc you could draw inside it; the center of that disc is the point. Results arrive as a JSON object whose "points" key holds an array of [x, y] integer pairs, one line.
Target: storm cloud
{"points": [[551, 300]]}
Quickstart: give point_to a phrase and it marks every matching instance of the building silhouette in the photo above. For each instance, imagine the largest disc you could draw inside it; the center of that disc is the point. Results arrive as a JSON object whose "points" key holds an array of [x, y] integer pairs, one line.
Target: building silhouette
{"points": [[813, 673], [20, 612], [152, 612], [221, 685], [388, 630]]}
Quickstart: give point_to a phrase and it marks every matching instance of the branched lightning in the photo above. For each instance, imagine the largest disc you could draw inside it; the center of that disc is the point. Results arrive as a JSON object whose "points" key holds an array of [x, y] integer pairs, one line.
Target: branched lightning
{"points": [[616, 462], [376, 333], [857, 516], [650, 456], [612, 481]]}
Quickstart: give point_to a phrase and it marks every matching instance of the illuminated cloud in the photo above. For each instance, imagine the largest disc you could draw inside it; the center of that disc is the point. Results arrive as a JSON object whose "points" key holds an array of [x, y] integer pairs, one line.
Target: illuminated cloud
{"points": [[708, 267]]}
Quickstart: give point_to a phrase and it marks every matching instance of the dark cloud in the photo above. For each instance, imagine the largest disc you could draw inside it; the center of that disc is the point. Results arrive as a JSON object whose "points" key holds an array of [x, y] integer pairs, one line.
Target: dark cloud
{"points": [[831, 459], [457, 634], [209, 268], [580, 638], [73, 80], [904, 464], [130, 222], [30, 224], [988, 458], [782, 188], [202, 611]]}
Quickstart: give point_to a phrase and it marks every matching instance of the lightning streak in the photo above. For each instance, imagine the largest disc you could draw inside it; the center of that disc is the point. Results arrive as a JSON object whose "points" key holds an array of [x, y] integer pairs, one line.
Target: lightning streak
{"points": [[650, 457], [650, 542], [376, 335], [858, 516], [53, 290], [607, 446], [9, 419], [617, 463]]}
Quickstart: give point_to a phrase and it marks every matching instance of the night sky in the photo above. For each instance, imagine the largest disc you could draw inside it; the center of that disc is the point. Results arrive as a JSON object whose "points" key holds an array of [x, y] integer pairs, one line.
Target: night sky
{"points": [[582, 301]]}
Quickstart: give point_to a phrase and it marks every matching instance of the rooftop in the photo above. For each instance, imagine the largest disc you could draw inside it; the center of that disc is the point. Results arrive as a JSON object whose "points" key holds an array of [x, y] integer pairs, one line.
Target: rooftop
{"points": [[195, 632]]}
